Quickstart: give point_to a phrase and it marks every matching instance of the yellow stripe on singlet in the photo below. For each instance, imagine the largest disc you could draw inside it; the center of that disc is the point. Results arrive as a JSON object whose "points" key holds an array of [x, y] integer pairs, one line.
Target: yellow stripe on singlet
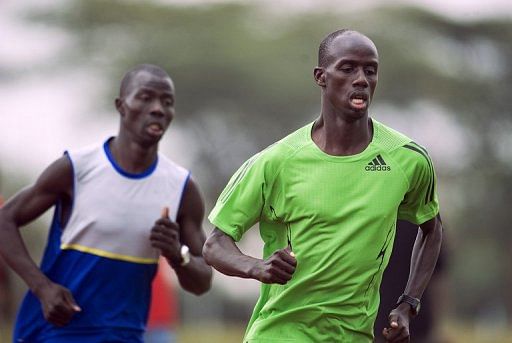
{"points": [[108, 254]]}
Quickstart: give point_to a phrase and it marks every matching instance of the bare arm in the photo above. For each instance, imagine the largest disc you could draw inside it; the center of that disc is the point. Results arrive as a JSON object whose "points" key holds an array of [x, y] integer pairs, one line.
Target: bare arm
{"points": [[423, 261], [424, 256], [54, 184], [221, 252], [167, 236], [196, 276]]}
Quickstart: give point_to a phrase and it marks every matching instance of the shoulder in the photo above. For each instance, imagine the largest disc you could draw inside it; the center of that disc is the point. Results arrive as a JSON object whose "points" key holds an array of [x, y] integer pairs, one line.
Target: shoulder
{"points": [[87, 151], [400, 146], [278, 153], [168, 166], [86, 156], [192, 201], [57, 177], [388, 139], [265, 164]]}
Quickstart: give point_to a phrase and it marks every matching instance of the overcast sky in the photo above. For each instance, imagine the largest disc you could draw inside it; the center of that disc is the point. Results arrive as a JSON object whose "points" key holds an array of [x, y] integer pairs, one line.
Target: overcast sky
{"points": [[459, 9]]}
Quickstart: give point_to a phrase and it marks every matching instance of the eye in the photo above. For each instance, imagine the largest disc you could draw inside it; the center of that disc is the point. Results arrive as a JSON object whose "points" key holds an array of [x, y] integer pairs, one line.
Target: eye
{"points": [[346, 68], [168, 102], [144, 97], [370, 70]]}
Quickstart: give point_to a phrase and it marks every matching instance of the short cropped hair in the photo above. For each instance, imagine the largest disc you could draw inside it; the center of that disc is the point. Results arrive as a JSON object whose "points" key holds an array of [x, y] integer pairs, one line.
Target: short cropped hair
{"points": [[323, 49], [150, 68]]}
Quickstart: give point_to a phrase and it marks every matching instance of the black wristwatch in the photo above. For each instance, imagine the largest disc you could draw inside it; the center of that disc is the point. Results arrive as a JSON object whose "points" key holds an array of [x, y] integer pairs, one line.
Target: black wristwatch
{"points": [[415, 303]]}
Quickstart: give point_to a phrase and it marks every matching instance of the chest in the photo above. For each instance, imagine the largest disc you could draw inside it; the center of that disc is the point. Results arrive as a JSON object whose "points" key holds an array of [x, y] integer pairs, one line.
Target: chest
{"points": [[345, 208], [115, 214], [332, 192]]}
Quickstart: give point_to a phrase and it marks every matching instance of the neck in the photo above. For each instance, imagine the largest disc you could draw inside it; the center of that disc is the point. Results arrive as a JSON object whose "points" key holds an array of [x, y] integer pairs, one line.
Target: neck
{"points": [[342, 135], [132, 156]]}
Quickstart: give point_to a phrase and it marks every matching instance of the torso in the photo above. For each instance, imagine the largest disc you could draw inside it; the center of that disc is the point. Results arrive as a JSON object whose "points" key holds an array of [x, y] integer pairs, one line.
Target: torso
{"points": [[103, 254]]}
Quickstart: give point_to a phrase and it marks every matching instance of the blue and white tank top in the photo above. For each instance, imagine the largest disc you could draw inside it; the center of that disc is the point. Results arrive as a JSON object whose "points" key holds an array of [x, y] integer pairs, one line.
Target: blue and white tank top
{"points": [[103, 254]]}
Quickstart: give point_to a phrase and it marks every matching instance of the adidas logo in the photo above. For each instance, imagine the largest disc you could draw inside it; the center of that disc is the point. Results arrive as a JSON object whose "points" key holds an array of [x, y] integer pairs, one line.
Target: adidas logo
{"points": [[377, 164]]}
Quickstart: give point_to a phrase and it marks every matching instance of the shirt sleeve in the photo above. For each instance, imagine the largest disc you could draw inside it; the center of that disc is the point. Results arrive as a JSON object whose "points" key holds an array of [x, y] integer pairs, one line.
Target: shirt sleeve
{"points": [[240, 204], [420, 203]]}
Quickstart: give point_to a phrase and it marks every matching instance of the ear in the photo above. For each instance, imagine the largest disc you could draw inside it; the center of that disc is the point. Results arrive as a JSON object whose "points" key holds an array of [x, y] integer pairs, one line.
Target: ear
{"points": [[319, 75], [119, 105]]}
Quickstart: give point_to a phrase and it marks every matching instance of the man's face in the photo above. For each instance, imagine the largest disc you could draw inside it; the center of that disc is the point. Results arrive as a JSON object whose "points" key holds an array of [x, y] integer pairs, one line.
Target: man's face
{"points": [[147, 107], [350, 77]]}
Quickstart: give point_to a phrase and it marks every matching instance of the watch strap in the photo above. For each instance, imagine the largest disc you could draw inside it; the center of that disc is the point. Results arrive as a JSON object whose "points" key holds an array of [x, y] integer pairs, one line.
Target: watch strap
{"points": [[413, 302]]}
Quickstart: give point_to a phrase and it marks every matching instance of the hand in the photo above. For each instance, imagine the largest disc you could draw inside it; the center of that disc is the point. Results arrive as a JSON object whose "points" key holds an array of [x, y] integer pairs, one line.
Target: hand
{"points": [[57, 303], [398, 331], [165, 236], [278, 268]]}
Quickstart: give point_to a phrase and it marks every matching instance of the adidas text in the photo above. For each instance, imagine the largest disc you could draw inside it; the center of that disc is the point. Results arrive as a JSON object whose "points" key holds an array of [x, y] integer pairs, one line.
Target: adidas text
{"points": [[377, 168]]}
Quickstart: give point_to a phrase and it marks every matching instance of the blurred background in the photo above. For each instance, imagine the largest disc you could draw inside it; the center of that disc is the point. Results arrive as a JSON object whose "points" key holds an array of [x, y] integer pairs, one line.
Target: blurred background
{"points": [[243, 76]]}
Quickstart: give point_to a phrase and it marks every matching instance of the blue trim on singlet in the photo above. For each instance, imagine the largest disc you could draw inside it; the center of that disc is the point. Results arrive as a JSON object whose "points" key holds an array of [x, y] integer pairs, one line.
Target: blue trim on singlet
{"points": [[118, 168], [52, 249]]}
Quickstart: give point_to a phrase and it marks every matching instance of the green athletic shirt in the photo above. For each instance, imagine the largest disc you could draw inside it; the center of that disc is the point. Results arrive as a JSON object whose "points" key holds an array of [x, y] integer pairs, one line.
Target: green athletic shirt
{"points": [[340, 214]]}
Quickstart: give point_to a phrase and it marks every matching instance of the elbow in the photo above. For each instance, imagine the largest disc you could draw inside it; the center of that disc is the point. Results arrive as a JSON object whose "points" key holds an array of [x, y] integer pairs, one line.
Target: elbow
{"points": [[204, 284], [201, 291], [213, 247]]}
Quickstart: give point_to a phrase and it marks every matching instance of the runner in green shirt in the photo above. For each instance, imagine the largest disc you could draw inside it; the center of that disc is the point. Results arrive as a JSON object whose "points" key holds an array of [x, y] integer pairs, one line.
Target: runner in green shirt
{"points": [[327, 198]]}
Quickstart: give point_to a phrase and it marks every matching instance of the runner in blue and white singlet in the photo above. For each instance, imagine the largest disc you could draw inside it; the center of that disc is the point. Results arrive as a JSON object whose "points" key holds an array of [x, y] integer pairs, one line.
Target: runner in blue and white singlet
{"points": [[103, 254], [118, 207]]}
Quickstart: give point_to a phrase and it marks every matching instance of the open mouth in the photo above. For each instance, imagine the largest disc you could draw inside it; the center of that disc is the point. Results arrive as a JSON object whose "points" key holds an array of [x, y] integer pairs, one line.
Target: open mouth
{"points": [[155, 129], [359, 100]]}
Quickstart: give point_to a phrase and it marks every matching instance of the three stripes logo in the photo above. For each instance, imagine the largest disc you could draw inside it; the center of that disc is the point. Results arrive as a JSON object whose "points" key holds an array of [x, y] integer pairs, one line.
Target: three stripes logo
{"points": [[429, 196], [377, 164]]}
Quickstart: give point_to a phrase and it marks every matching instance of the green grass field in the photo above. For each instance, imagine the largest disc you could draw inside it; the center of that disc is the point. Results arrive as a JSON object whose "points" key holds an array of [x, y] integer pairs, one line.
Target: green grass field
{"points": [[464, 333], [453, 333]]}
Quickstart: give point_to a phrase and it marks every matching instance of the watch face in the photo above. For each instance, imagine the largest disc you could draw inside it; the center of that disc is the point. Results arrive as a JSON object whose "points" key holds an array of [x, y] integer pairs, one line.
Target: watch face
{"points": [[185, 255]]}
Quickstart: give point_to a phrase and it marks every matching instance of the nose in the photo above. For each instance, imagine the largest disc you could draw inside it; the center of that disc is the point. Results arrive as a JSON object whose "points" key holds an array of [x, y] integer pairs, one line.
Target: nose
{"points": [[360, 79], [157, 109]]}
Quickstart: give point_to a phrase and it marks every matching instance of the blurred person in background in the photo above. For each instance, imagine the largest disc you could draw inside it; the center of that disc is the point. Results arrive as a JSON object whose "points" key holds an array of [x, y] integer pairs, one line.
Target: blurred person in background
{"points": [[425, 327], [327, 198], [118, 207], [163, 310]]}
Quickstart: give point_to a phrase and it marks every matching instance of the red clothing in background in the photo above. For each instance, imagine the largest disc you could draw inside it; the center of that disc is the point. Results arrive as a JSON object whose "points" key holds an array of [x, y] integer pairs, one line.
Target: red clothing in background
{"points": [[163, 311]]}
